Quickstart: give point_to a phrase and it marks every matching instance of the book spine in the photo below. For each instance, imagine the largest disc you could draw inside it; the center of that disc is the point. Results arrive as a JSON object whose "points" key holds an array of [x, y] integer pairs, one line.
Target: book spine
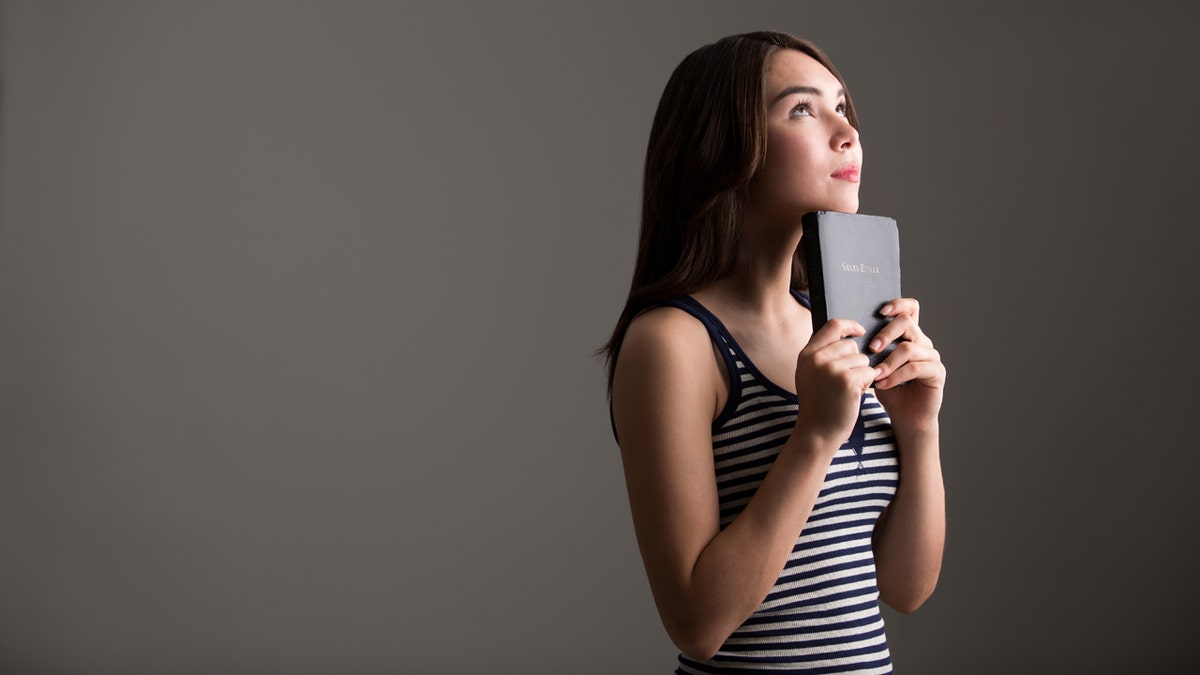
{"points": [[816, 269]]}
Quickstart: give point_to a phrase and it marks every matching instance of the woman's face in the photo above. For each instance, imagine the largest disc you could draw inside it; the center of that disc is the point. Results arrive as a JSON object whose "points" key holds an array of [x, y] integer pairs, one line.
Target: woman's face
{"points": [[813, 154]]}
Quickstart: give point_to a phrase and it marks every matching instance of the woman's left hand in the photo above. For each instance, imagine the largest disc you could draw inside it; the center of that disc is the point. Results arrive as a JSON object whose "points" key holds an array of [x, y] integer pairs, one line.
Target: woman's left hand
{"points": [[914, 363]]}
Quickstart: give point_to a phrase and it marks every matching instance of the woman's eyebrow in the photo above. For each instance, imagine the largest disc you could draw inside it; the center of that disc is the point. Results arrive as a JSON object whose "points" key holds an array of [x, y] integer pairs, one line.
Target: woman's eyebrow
{"points": [[800, 89]]}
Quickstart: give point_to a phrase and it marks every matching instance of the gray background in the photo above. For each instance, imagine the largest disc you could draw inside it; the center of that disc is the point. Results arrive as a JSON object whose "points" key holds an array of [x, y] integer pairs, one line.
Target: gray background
{"points": [[298, 300]]}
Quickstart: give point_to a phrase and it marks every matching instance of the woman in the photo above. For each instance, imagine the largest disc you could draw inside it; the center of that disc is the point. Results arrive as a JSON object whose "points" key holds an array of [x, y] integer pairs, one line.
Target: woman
{"points": [[774, 501]]}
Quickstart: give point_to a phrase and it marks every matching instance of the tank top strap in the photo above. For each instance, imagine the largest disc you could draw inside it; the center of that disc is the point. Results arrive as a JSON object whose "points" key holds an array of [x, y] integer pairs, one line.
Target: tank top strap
{"points": [[730, 352], [803, 298], [721, 337], [737, 364]]}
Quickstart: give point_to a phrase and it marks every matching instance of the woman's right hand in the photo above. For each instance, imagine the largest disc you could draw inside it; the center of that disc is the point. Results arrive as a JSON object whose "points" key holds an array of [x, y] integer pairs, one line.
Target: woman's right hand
{"points": [[831, 376]]}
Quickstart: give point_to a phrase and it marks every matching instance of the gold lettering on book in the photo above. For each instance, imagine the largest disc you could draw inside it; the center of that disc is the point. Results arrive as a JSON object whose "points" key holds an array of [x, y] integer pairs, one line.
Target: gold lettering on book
{"points": [[860, 267]]}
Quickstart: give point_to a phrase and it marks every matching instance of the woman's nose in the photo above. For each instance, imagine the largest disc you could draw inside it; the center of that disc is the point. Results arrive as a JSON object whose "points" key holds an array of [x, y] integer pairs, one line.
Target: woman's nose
{"points": [[846, 136]]}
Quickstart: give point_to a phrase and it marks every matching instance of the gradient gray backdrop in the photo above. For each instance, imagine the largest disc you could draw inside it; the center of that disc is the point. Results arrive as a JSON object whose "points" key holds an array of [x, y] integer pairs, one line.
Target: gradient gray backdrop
{"points": [[298, 301]]}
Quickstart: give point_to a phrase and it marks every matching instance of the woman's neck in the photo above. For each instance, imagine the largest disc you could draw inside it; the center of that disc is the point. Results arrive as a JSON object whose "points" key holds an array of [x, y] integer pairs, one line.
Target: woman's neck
{"points": [[759, 288]]}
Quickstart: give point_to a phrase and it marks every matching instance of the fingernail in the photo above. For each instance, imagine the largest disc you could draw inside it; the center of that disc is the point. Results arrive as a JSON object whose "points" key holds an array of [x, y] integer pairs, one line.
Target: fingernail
{"points": [[876, 345], [887, 309], [878, 372], [882, 384]]}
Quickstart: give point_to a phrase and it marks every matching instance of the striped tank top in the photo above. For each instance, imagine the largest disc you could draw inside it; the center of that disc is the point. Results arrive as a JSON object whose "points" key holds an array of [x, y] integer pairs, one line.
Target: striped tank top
{"points": [[822, 616]]}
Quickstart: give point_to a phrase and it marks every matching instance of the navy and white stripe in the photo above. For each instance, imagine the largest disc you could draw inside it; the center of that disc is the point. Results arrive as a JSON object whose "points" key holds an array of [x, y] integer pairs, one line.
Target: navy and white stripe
{"points": [[822, 616]]}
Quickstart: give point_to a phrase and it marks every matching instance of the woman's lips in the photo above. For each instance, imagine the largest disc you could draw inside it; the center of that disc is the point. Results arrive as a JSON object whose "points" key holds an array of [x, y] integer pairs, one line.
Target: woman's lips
{"points": [[849, 172]]}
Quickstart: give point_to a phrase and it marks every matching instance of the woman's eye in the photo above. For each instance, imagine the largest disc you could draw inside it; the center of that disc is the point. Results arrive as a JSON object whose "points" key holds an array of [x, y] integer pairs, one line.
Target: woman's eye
{"points": [[841, 110], [802, 110]]}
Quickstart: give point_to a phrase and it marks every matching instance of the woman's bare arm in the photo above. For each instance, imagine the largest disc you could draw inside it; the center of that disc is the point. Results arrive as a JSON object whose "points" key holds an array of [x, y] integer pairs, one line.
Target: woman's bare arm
{"points": [[707, 581], [910, 536]]}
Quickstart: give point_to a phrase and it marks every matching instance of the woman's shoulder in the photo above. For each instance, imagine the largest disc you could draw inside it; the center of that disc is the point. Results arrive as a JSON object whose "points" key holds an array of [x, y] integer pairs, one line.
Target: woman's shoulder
{"points": [[666, 370], [666, 328]]}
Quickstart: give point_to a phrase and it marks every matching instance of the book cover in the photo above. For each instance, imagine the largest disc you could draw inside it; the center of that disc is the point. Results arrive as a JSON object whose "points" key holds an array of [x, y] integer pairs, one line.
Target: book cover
{"points": [[853, 264]]}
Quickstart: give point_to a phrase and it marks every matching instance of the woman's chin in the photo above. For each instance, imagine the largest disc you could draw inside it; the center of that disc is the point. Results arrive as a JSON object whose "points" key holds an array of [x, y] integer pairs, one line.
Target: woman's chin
{"points": [[841, 206], [842, 201], [849, 205]]}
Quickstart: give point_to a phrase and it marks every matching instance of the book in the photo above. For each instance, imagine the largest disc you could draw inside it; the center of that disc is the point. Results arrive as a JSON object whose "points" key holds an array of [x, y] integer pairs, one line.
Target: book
{"points": [[853, 264]]}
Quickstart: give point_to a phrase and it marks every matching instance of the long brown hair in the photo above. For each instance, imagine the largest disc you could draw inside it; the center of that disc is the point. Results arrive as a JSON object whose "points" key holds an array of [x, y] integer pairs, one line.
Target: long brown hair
{"points": [[708, 140]]}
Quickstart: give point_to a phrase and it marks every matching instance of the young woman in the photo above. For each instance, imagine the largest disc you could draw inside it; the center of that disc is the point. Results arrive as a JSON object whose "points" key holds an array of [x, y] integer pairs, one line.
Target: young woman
{"points": [[780, 486]]}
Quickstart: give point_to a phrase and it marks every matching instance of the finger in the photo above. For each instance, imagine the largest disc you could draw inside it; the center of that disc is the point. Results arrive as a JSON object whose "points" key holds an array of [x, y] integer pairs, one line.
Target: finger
{"points": [[865, 377], [891, 331], [899, 306], [907, 352], [930, 373], [833, 331], [835, 354], [856, 372], [900, 328], [839, 356]]}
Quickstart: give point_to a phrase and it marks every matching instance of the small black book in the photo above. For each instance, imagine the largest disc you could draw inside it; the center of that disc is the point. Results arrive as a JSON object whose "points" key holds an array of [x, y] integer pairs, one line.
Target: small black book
{"points": [[853, 264]]}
